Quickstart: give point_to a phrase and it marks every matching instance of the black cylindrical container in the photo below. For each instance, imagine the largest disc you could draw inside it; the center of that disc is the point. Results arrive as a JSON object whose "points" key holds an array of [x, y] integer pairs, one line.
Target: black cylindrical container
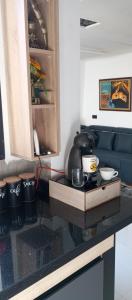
{"points": [[3, 196], [28, 185], [14, 191]]}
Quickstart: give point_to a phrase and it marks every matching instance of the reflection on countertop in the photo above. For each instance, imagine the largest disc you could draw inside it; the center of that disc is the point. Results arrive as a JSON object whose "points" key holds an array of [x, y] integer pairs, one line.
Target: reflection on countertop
{"points": [[84, 219], [39, 237]]}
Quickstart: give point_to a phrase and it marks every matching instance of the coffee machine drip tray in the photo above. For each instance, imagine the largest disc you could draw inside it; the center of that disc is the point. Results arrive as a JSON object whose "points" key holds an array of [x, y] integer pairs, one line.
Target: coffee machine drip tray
{"points": [[86, 197]]}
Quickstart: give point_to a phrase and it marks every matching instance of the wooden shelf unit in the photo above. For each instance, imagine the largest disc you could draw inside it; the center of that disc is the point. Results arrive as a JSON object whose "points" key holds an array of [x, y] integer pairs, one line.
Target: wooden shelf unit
{"points": [[24, 117], [42, 106], [41, 51]]}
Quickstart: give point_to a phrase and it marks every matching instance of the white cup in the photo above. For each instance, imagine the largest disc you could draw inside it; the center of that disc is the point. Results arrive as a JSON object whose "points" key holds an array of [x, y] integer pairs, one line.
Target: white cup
{"points": [[108, 173], [90, 163]]}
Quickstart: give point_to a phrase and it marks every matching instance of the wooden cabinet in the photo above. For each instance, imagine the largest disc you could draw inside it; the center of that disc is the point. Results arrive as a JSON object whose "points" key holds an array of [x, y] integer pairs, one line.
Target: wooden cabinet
{"points": [[95, 281], [24, 116], [88, 284]]}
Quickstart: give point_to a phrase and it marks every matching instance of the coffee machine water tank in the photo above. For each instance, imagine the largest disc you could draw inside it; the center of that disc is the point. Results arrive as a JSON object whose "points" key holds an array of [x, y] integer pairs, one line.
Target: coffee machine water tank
{"points": [[83, 145]]}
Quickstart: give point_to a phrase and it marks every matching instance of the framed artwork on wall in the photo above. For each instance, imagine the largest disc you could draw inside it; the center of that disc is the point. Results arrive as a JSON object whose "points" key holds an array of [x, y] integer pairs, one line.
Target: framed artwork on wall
{"points": [[115, 94]]}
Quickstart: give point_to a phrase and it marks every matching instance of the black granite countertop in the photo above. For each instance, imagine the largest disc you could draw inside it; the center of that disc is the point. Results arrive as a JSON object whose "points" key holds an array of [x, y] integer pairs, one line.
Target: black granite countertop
{"points": [[41, 236]]}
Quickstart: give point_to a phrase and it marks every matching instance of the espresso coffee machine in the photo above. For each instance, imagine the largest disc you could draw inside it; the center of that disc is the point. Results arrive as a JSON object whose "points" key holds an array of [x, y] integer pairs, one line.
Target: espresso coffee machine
{"points": [[83, 145]]}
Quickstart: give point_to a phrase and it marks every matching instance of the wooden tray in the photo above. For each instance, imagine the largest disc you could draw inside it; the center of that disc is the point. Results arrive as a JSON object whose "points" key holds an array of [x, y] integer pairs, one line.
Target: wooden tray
{"points": [[85, 198]]}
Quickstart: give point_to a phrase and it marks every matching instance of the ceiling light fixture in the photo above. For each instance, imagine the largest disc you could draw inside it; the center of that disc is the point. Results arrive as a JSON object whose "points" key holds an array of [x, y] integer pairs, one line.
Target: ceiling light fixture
{"points": [[85, 23]]}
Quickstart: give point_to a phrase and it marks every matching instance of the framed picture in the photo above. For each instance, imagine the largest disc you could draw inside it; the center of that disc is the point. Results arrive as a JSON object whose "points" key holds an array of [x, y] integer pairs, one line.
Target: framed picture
{"points": [[115, 94]]}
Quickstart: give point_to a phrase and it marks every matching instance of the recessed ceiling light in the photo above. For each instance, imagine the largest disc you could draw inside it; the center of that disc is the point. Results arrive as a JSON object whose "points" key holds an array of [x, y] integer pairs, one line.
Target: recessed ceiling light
{"points": [[85, 23]]}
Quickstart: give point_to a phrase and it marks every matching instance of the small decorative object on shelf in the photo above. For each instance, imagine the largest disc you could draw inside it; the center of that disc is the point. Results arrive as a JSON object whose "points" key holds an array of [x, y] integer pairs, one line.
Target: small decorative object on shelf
{"points": [[41, 22], [37, 81], [33, 39], [36, 143], [35, 100], [44, 150], [39, 149]]}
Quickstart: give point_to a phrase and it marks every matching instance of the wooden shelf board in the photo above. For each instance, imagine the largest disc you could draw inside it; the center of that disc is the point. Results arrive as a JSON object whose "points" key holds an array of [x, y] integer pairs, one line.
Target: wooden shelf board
{"points": [[40, 51], [46, 156], [42, 106]]}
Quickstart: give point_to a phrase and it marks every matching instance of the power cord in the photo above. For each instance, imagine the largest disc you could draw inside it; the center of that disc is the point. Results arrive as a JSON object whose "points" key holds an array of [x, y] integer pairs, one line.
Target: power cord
{"points": [[41, 167]]}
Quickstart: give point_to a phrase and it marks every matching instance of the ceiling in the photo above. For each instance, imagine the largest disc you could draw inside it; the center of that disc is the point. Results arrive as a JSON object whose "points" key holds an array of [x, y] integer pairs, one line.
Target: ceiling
{"points": [[114, 33]]}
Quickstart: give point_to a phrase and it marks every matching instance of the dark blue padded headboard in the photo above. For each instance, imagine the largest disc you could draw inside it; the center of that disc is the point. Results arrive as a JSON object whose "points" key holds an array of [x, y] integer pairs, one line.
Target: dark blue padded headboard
{"points": [[84, 128]]}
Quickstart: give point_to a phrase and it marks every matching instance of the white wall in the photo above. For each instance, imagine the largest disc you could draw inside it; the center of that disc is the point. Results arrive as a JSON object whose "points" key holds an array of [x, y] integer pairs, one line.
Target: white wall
{"points": [[69, 41], [69, 76], [91, 72]]}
